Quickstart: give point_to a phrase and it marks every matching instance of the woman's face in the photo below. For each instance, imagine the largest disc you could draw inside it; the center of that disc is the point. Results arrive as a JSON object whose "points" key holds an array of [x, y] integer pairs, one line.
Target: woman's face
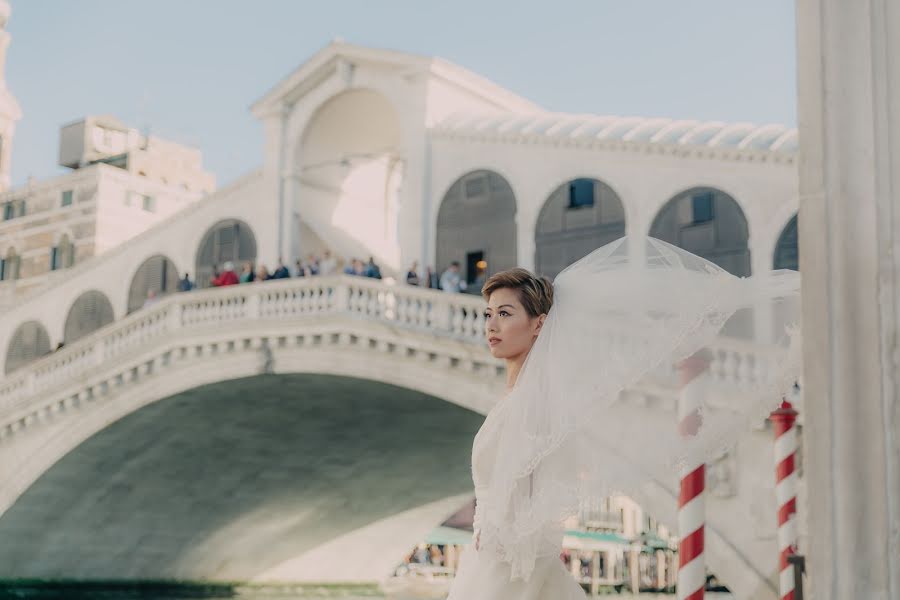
{"points": [[509, 330]]}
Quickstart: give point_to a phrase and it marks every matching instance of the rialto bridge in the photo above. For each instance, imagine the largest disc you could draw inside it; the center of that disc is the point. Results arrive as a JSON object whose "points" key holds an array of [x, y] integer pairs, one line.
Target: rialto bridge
{"points": [[261, 431]]}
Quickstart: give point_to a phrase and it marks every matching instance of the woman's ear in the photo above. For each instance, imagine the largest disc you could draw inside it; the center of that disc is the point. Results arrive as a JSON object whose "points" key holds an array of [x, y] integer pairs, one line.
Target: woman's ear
{"points": [[540, 323]]}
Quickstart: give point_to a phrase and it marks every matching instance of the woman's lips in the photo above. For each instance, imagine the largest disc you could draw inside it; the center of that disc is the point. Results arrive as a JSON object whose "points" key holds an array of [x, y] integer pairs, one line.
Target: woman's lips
{"points": [[494, 341]]}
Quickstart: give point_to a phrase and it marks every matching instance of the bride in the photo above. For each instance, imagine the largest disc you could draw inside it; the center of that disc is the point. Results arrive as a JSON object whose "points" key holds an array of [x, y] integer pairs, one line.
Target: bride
{"points": [[583, 355]]}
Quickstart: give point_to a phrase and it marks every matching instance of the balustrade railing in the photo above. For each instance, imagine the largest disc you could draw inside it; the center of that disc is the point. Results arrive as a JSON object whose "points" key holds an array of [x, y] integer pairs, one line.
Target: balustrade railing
{"points": [[451, 316]]}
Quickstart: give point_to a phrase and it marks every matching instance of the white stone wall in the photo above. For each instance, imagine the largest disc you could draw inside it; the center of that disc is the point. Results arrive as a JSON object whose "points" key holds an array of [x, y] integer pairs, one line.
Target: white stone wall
{"points": [[178, 237], [643, 178]]}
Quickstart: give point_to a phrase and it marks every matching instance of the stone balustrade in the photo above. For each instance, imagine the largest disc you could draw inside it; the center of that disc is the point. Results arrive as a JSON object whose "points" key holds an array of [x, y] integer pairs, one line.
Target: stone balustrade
{"points": [[278, 314]]}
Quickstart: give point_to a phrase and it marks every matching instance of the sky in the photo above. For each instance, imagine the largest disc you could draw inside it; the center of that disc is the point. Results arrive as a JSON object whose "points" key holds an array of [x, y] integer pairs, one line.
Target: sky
{"points": [[188, 70]]}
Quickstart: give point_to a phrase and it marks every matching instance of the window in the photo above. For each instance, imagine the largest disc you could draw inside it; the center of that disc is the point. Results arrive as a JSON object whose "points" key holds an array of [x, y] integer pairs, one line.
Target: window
{"points": [[67, 198], [21, 209], [62, 256], [581, 193], [8, 211], [9, 266], [476, 187], [702, 208], [149, 203]]}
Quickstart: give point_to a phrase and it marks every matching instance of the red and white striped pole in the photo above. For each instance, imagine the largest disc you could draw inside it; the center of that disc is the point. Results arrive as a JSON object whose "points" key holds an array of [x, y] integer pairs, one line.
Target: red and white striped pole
{"points": [[691, 500], [783, 420]]}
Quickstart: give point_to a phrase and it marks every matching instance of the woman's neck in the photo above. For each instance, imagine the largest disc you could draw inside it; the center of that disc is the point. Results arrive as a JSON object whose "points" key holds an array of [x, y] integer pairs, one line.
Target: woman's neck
{"points": [[513, 366]]}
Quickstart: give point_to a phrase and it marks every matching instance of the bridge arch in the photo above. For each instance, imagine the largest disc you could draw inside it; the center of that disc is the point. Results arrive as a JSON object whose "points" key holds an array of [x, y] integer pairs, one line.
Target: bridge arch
{"points": [[579, 216], [348, 170], [709, 223], [90, 311], [228, 240], [476, 226], [158, 275], [787, 254], [30, 341], [256, 473]]}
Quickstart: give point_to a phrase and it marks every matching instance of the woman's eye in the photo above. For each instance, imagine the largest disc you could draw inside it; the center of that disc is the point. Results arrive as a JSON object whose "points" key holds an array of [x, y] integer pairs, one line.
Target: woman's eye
{"points": [[487, 315], [503, 313]]}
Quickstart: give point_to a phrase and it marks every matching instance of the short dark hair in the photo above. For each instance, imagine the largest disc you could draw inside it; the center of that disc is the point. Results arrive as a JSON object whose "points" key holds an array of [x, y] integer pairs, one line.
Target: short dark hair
{"points": [[535, 292], [455, 263]]}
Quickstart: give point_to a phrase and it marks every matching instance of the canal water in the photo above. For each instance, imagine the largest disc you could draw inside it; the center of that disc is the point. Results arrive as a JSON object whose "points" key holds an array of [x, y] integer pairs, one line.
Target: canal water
{"points": [[166, 591]]}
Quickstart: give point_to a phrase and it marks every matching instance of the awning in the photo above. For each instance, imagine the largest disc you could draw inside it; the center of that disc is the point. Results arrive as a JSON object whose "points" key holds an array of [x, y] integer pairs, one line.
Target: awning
{"points": [[594, 540], [448, 535]]}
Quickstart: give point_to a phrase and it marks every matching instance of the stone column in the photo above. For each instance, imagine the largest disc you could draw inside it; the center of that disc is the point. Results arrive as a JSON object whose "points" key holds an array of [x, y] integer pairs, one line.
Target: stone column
{"points": [[849, 118]]}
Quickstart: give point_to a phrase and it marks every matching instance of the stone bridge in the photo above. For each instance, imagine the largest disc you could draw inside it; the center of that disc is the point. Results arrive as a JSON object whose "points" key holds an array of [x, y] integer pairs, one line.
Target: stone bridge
{"points": [[261, 431]]}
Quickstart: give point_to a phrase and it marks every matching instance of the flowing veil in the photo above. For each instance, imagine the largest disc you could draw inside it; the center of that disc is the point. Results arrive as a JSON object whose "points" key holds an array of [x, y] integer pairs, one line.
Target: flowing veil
{"points": [[650, 358]]}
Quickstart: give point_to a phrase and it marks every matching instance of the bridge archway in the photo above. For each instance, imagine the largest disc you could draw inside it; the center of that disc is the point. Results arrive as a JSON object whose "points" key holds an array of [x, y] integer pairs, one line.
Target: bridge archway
{"points": [[90, 311], [348, 170], [157, 274], [709, 223], [787, 253], [29, 342], [578, 217], [237, 479], [229, 240], [476, 226]]}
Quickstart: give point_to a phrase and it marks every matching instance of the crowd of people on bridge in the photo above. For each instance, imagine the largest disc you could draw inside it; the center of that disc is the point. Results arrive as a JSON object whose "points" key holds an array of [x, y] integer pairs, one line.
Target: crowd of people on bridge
{"points": [[451, 280]]}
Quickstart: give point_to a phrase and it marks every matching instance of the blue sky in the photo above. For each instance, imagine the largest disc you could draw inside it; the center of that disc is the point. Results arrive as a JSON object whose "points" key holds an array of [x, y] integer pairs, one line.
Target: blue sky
{"points": [[189, 69]]}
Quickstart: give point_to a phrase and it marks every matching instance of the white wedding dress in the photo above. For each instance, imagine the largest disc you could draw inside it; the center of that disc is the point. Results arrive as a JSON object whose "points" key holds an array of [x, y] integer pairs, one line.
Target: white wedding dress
{"points": [[482, 575], [640, 332]]}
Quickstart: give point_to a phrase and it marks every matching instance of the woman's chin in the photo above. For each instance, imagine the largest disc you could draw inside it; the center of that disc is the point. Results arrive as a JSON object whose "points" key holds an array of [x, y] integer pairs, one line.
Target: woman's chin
{"points": [[496, 352]]}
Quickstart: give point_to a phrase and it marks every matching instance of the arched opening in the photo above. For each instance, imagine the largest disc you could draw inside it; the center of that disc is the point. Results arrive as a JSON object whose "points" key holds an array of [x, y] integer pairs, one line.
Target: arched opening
{"points": [[62, 256], [709, 223], [476, 227], [250, 478], [29, 342], [787, 253], [156, 277], [9, 265], [91, 311], [229, 240], [348, 175], [578, 217]]}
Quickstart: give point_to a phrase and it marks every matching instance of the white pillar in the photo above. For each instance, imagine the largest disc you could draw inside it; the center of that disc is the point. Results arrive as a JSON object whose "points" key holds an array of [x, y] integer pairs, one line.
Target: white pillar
{"points": [[849, 117], [525, 250]]}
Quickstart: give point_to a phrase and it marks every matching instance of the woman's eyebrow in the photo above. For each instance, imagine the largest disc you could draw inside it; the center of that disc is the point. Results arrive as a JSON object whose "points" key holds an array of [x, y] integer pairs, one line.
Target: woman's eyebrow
{"points": [[508, 305]]}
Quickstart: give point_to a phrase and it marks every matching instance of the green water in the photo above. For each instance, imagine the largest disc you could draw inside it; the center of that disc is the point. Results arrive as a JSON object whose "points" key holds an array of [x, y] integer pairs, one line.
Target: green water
{"points": [[180, 591], [175, 591]]}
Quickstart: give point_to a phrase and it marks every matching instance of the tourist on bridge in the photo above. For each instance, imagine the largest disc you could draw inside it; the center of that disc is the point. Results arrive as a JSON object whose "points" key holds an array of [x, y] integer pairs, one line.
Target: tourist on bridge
{"points": [[412, 275], [247, 274], [431, 279], [356, 267], [262, 273], [152, 298], [312, 266], [185, 284], [281, 272], [327, 266], [451, 280], [372, 270], [228, 276]]}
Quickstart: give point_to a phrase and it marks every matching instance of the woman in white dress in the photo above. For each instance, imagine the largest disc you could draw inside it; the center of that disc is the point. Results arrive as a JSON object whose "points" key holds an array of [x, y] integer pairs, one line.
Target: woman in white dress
{"points": [[627, 314]]}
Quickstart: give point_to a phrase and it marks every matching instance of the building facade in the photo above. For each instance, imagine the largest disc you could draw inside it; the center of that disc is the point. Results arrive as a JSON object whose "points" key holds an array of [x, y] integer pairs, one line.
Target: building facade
{"points": [[122, 182]]}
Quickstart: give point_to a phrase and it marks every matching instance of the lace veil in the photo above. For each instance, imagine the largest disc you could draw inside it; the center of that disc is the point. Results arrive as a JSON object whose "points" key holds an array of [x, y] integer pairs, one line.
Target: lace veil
{"points": [[650, 357]]}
